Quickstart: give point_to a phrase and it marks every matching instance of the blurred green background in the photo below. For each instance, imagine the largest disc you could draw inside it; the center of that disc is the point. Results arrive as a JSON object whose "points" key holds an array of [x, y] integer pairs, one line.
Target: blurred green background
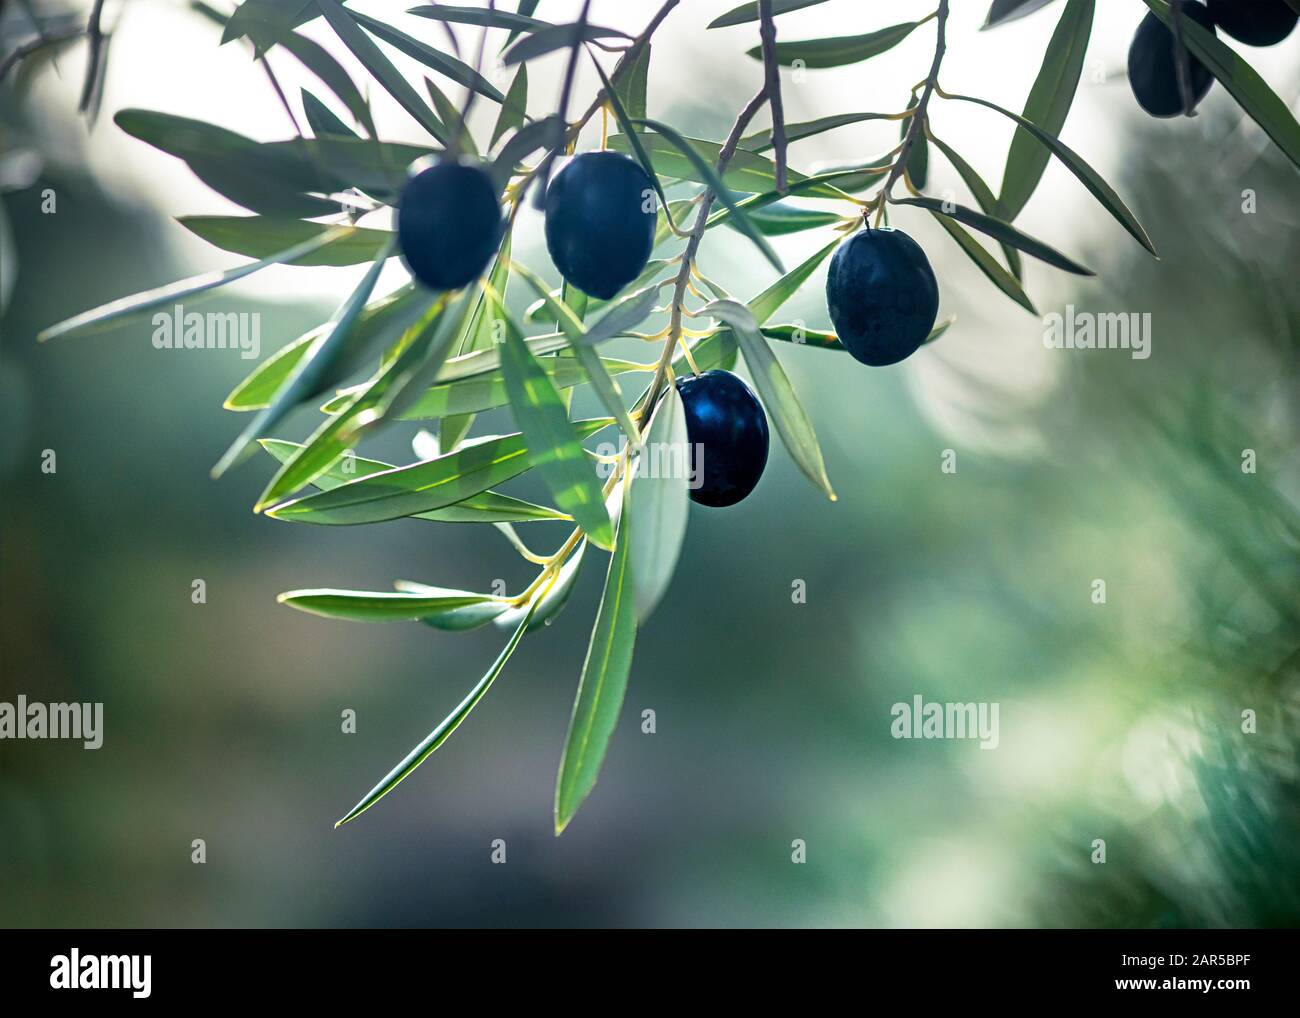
{"points": [[1120, 721]]}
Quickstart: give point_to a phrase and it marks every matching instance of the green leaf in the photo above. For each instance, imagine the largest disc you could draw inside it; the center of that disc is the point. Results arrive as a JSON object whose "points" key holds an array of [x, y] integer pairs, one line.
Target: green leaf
{"points": [[421, 487], [984, 197], [317, 366], [485, 507], [706, 173], [130, 308], [322, 120], [263, 236], [514, 111], [1000, 231], [477, 335], [556, 37], [478, 16], [554, 445], [792, 423], [321, 63], [770, 301], [423, 349], [1047, 106], [803, 188], [603, 683], [523, 143], [715, 351], [660, 503], [748, 12], [438, 736], [1252, 93], [622, 317], [918, 159], [633, 85], [748, 172], [460, 141], [1003, 11], [448, 66], [380, 67], [987, 264], [761, 141], [780, 220], [378, 320], [836, 52], [1089, 177], [258, 17], [800, 336], [548, 601], [398, 606], [257, 176]]}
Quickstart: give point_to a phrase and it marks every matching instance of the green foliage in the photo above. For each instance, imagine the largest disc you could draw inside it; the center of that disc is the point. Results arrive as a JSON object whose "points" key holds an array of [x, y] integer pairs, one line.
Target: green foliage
{"points": [[451, 356]]}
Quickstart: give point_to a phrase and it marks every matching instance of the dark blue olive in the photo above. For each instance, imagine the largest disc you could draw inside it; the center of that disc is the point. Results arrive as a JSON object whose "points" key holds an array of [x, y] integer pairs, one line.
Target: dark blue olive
{"points": [[882, 296], [1153, 67], [1254, 22], [727, 429], [449, 224], [601, 215]]}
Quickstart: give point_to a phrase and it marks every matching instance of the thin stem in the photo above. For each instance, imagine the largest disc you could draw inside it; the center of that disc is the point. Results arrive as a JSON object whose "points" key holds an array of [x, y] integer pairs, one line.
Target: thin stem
{"points": [[772, 74], [919, 112]]}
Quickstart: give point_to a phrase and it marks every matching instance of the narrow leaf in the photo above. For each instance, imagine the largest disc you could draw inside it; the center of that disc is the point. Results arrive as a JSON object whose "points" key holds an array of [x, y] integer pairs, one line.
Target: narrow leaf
{"points": [[556, 37], [603, 684], [515, 109], [748, 12], [836, 52], [987, 264], [264, 236], [660, 503], [438, 736], [791, 421], [983, 195], [396, 606]]}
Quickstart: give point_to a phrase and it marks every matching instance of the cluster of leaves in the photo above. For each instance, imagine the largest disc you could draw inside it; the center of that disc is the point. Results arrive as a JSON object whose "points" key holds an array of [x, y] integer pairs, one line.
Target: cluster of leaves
{"points": [[447, 357]]}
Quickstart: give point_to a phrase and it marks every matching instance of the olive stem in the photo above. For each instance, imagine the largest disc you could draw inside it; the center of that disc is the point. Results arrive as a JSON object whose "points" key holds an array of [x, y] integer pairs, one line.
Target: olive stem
{"points": [[772, 74], [915, 128]]}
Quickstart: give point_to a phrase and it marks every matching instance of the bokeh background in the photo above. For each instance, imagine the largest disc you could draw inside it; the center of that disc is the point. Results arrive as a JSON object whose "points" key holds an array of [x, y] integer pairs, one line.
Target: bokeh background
{"points": [[1120, 721]]}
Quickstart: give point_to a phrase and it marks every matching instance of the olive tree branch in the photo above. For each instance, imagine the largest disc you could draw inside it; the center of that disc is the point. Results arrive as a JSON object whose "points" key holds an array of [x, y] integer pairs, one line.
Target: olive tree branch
{"points": [[772, 74], [915, 128]]}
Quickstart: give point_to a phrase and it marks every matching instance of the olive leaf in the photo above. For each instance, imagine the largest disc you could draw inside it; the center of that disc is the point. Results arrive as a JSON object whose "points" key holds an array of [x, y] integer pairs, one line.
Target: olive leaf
{"points": [[130, 308], [263, 236], [439, 735], [748, 12], [380, 67], [987, 264], [421, 487], [984, 198], [792, 422], [377, 321], [556, 37], [555, 448], [1047, 106], [841, 50], [550, 600], [603, 684], [322, 120], [998, 230], [660, 503], [1089, 177], [429, 605], [448, 66], [485, 507], [312, 369], [514, 111], [1003, 11], [761, 141], [478, 16]]}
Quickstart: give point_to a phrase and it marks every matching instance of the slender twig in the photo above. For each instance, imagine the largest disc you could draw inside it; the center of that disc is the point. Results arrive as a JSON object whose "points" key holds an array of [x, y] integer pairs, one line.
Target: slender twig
{"points": [[915, 128], [725, 156], [772, 74]]}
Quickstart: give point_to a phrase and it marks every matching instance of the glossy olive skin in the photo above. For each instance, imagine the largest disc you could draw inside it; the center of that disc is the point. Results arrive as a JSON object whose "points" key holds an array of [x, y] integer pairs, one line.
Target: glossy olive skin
{"points": [[600, 222], [1254, 22], [725, 418], [448, 224], [1153, 69], [882, 296]]}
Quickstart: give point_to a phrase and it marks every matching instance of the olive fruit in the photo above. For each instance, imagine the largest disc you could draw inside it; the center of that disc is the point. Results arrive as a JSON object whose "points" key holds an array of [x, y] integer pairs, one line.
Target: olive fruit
{"points": [[600, 222], [448, 223], [882, 296], [727, 430], [1153, 65], [1254, 22]]}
